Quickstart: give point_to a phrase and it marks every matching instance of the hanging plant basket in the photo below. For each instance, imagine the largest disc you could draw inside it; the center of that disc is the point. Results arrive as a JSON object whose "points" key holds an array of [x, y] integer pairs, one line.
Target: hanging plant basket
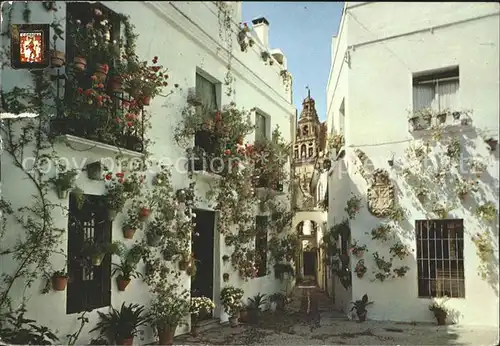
{"points": [[101, 71], [146, 100], [62, 193], [441, 118], [112, 214], [122, 283], [168, 255], [96, 259], [80, 63], [181, 195], [327, 164], [95, 170], [57, 58], [115, 84], [128, 233], [153, 239], [183, 265], [59, 283]]}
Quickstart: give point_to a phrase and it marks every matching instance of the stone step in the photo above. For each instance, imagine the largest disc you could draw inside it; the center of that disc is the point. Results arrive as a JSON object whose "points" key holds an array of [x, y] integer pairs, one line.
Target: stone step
{"points": [[208, 324]]}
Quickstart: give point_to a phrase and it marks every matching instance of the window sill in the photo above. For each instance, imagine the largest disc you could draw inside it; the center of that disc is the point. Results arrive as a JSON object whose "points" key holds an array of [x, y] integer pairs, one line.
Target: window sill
{"points": [[204, 175], [83, 144]]}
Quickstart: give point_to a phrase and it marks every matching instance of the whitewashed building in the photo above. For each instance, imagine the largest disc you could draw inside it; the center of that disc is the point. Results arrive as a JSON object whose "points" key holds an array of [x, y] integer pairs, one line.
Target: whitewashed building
{"points": [[414, 89], [192, 40]]}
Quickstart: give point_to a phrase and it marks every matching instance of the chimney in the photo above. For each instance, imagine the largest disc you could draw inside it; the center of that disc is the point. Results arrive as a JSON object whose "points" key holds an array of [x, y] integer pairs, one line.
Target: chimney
{"points": [[261, 27]]}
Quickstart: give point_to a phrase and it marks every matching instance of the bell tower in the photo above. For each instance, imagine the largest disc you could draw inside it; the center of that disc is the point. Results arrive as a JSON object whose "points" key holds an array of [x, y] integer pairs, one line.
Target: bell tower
{"points": [[308, 140]]}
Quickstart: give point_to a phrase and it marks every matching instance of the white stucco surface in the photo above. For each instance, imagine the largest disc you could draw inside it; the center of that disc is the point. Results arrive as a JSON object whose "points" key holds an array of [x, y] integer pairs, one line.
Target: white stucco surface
{"points": [[373, 61], [185, 37]]}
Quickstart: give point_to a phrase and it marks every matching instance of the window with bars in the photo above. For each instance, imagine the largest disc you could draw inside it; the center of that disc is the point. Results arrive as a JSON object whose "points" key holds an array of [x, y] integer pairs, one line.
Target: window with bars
{"points": [[207, 92], [437, 91], [261, 245], [440, 258], [260, 127], [89, 287]]}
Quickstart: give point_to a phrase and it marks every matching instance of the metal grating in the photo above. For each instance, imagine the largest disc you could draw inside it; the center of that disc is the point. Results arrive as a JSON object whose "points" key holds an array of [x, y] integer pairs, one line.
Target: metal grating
{"points": [[440, 260]]}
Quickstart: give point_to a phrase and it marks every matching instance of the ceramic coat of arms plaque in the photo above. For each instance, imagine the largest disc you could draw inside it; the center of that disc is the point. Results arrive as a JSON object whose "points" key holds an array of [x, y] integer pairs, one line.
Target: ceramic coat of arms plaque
{"points": [[380, 196]]}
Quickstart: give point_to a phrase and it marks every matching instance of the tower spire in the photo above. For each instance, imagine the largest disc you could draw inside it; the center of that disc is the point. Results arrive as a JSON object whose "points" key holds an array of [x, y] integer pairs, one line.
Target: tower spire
{"points": [[308, 91]]}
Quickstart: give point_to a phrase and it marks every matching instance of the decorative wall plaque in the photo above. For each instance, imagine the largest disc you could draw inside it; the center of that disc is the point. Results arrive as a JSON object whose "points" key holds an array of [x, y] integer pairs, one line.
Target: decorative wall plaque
{"points": [[380, 196], [30, 46]]}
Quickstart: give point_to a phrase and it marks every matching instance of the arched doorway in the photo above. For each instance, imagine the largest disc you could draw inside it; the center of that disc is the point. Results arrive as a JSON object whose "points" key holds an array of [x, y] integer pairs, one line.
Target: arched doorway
{"points": [[309, 226]]}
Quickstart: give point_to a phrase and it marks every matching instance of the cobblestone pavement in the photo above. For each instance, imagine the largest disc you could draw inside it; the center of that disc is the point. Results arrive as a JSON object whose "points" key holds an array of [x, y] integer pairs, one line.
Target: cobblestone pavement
{"points": [[310, 321]]}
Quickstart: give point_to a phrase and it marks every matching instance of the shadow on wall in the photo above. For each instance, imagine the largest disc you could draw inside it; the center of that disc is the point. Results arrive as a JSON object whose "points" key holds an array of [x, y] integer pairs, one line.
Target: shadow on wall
{"points": [[449, 177]]}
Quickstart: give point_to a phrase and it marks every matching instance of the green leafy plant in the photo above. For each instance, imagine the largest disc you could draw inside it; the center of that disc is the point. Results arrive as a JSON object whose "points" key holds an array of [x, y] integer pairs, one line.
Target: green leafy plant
{"points": [[487, 211], [400, 250], [230, 297], [401, 271], [439, 309], [360, 268], [128, 264], [485, 251], [397, 214], [200, 305], [119, 325], [353, 206], [16, 329], [360, 306], [97, 250], [64, 181], [279, 299], [170, 307], [383, 266], [357, 250], [381, 232], [453, 150], [280, 269], [115, 197]]}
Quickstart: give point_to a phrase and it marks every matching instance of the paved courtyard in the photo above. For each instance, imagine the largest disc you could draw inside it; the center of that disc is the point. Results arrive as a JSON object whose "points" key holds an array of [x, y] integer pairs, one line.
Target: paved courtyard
{"points": [[313, 324]]}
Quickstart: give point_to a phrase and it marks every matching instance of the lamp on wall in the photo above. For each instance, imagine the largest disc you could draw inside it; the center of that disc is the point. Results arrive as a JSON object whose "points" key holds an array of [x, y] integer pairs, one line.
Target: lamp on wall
{"points": [[30, 46], [391, 160]]}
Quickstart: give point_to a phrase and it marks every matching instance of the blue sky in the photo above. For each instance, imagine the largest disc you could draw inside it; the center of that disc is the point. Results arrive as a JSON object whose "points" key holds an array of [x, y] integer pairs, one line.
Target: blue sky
{"points": [[303, 31]]}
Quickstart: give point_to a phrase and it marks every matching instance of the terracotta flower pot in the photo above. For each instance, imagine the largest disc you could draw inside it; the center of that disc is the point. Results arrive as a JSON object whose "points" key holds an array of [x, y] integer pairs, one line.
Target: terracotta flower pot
{"points": [[62, 193], [462, 196], [440, 318], [362, 316], [359, 253], [233, 321], [360, 275], [57, 58], [166, 335], [59, 283], [122, 284], [115, 84], [144, 214], [126, 341], [240, 140], [195, 330], [101, 71], [128, 233], [183, 265], [146, 100], [80, 63]]}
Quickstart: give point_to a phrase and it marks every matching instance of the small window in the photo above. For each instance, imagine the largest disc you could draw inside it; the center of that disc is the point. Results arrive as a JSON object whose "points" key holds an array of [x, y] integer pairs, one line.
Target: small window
{"points": [[261, 245], [437, 90], [311, 152], [207, 92], [260, 127], [89, 287], [440, 258]]}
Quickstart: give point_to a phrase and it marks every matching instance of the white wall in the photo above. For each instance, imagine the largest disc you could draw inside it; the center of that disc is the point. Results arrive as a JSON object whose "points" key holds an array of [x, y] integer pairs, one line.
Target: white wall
{"points": [[183, 45], [379, 91]]}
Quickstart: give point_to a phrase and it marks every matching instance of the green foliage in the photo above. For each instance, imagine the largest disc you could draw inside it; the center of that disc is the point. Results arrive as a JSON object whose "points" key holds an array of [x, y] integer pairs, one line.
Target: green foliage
{"points": [[118, 325]]}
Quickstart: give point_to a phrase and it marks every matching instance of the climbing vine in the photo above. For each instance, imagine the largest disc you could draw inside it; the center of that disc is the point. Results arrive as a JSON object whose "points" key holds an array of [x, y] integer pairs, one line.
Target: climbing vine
{"points": [[225, 18]]}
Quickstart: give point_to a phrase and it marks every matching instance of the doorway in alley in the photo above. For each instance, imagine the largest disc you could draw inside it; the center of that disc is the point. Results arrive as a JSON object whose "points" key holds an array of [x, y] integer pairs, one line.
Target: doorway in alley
{"points": [[309, 264], [202, 284]]}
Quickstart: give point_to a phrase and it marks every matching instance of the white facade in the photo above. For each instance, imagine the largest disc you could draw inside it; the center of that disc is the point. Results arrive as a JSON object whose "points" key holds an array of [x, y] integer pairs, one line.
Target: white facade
{"points": [[379, 49], [185, 37]]}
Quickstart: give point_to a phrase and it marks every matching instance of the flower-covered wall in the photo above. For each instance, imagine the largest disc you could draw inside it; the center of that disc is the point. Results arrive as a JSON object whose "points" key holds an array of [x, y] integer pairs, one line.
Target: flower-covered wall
{"points": [[151, 195], [408, 172]]}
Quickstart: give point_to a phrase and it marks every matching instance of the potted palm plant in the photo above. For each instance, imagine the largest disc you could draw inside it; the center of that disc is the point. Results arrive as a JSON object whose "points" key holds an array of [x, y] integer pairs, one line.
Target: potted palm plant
{"points": [[360, 307], [63, 182], [96, 251], [127, 267], [59, 280], [121, 326], [254, 307], [168, 311]]}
